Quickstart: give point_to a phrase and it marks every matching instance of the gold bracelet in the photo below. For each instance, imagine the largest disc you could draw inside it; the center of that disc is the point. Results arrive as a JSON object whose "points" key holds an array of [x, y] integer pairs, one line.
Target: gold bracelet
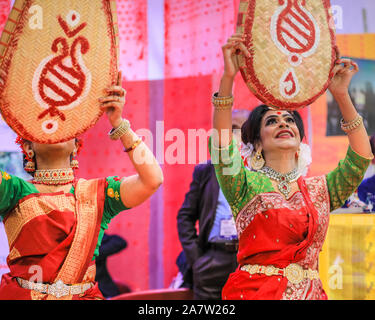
{"points": [[352, 125], [222, 103], [343, 123], [348, 127], [117, 133], [135, 144]]}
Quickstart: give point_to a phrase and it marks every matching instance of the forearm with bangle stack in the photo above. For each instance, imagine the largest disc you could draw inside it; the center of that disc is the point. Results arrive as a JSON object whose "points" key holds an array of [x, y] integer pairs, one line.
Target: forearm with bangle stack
{"points": [[352, 124], [223, 116], [132, 142]]}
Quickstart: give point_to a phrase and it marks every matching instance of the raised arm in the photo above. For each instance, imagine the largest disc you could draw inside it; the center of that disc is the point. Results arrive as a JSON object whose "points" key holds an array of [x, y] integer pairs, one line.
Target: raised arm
{"points": [[339, 87], [222, 120], [347, 176], [135, 189], [233, 177]]}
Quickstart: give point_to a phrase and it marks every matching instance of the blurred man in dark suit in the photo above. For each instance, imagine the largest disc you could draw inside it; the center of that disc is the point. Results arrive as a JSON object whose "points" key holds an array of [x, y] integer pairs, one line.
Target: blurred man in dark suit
{"points": [[211, 254]]}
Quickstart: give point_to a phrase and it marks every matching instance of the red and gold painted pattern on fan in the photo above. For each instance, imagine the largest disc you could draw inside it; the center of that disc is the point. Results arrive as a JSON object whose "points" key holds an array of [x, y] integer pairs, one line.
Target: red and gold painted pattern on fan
{"points": [[56, 74], [63, 81], [289, 65]]}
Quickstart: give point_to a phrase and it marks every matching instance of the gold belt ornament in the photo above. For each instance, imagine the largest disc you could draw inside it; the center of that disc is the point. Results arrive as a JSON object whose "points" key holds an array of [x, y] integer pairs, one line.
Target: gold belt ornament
{"points": [[293, 272], [58, 289]]}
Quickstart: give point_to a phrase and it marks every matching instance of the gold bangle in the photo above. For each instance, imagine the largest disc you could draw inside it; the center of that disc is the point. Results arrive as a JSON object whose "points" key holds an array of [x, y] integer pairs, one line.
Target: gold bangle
{"points": [[117, 133], [343, 123], [348, 127], [135, 144], [222, 101]]}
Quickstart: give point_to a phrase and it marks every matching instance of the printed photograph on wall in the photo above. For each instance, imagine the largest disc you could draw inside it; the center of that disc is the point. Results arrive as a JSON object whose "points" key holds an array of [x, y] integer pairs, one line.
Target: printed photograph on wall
{"points": [[362, 93]]}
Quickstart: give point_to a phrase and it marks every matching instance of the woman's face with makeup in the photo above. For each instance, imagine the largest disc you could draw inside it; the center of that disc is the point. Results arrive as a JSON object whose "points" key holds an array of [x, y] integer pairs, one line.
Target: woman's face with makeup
{"points": [[279, 131]]}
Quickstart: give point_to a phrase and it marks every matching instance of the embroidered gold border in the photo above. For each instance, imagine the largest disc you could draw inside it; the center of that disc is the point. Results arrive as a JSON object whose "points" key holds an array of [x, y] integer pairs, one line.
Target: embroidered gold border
{"points": [[34, 207], [319, 196], [86, 210]]}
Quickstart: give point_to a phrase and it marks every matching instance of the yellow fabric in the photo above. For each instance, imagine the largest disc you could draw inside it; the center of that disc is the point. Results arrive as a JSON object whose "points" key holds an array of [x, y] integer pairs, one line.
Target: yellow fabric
{"points": [[347, 260]]}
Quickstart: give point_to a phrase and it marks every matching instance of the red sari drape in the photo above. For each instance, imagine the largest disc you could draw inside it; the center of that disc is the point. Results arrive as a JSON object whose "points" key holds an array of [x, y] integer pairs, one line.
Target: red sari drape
{"points": [[275, 231], [53, 237]]}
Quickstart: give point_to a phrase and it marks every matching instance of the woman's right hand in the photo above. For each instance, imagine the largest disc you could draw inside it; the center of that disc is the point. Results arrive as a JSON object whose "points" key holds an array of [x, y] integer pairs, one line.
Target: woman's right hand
{"points": [[234, 46]]}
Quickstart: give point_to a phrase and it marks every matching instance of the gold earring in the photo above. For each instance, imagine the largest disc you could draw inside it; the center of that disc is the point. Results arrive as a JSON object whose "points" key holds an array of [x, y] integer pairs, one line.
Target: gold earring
{"points": [[257, 160], [74, 164], [30, 164]]}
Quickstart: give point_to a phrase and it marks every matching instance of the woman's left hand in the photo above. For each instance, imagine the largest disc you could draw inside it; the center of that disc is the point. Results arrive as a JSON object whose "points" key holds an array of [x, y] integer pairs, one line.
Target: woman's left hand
{"points": [[343, 73], [114, 102]]}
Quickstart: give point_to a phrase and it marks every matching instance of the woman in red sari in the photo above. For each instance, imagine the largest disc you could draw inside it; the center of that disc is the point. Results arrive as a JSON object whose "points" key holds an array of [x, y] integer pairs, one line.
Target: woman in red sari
{"points": [[281, 217], [55, 223]]}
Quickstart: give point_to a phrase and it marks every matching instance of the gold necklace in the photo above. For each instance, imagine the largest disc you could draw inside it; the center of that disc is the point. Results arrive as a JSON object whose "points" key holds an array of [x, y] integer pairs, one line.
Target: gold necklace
{"points": [[54, 177]]}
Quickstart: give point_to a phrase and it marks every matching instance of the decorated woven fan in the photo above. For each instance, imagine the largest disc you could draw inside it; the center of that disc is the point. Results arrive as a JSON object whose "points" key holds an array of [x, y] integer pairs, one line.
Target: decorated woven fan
{"points": [[58, 57], [292, 50]]}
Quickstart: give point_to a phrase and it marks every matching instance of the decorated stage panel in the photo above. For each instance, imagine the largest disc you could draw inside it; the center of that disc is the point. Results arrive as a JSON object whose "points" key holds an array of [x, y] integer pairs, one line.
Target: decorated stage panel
{"points": [[347, 266]]}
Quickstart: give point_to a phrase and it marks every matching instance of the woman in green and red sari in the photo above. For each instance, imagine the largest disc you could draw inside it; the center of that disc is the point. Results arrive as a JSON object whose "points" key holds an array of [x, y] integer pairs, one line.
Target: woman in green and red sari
{"points": [[55, 223], [281, 216]]}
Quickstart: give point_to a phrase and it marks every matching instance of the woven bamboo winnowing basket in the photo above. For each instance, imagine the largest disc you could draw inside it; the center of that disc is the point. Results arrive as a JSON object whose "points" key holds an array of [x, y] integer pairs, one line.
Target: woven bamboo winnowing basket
{"points": [[292, 50], [58, 57]]}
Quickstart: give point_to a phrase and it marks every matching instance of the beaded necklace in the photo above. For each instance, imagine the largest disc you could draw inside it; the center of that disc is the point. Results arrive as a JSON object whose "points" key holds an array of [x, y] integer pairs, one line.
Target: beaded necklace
{"points": [[54, 177]]}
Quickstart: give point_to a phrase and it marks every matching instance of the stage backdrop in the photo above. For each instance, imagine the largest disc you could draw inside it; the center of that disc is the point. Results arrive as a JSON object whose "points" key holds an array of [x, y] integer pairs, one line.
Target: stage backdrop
{"points": [[171, 61]]}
